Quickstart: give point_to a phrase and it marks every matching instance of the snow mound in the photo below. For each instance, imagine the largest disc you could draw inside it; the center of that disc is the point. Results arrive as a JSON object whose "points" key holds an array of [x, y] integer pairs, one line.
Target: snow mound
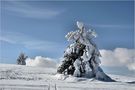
{"points": [[40, 61], [60, 76], [69, 78]]}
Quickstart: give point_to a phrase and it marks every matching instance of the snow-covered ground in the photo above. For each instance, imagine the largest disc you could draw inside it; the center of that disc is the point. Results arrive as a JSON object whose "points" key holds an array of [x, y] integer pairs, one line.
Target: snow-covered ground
{"points": [[17, 77]]}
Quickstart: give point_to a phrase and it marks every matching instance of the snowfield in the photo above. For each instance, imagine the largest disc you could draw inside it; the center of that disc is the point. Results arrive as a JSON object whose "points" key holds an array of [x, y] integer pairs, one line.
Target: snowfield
{"points": [[17, 77]]}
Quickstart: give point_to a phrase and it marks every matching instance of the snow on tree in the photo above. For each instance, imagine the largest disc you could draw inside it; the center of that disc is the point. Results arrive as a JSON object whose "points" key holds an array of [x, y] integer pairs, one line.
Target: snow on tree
{"points": [[81, 58], [21, 59]]}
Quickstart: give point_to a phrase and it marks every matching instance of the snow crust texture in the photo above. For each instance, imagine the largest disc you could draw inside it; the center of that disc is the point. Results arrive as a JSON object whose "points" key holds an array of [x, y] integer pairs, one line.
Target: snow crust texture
{"points": [[18, 77]]}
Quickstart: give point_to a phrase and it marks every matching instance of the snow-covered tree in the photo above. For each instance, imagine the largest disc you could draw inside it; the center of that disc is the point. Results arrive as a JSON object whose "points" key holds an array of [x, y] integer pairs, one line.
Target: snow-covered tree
{"points": [[21, 59], [81, 58]]}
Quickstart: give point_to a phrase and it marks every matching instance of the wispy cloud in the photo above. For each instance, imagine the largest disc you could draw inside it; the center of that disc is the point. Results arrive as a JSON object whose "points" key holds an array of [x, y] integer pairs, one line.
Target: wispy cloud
{"points": [[26, 10], [29, 42], [107, 26], [120, 57], [111, 26]]}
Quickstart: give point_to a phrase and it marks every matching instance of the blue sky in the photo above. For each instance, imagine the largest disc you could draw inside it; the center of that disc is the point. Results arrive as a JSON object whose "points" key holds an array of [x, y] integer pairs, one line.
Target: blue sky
{"points": [[39, 27]]}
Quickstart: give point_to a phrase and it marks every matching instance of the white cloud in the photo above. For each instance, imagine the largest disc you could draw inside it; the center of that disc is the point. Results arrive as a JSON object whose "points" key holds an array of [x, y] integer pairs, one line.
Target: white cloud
{"points": [[24, 9], [29, 42], [131, 66], [40, 61], [118, 57]]}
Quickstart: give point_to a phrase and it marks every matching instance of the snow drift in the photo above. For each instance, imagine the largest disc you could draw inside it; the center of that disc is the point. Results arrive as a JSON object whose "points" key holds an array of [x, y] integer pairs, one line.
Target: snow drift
{"points": [[41, 62]]}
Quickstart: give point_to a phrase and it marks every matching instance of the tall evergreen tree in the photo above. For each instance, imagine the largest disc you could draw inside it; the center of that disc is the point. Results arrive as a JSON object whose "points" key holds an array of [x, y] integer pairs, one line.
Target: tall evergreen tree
{"points": [[81, 58]]}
